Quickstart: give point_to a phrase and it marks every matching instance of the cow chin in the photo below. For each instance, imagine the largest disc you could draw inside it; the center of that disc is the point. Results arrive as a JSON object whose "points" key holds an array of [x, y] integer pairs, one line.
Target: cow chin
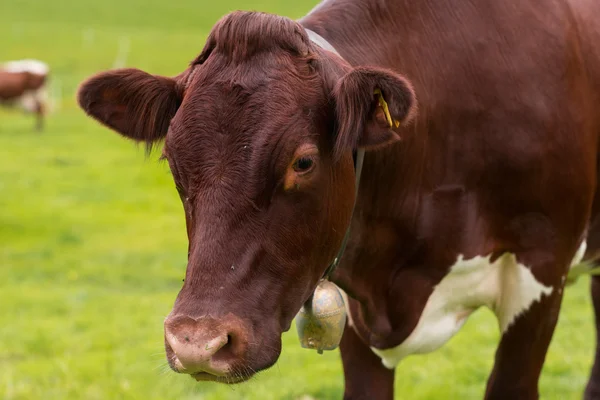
{"points": [[228, 380]]}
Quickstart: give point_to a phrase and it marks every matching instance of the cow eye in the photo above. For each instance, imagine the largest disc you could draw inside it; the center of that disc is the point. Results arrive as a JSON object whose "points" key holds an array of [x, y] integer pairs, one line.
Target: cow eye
{"points": [[304, 164]]}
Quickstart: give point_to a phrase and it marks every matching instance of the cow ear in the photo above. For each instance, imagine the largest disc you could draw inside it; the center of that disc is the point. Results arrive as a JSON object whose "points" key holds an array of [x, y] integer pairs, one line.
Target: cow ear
{"points": [[371, 106], [132, 102]]}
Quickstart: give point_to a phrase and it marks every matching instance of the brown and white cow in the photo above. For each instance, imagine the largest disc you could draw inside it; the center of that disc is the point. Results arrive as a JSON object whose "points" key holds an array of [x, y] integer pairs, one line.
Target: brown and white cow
{"points": [[23, 84], [484, 197]]}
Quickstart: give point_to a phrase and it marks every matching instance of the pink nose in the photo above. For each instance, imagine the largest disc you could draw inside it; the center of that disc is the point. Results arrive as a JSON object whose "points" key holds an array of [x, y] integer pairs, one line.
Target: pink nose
{"points": [[205, 345]]}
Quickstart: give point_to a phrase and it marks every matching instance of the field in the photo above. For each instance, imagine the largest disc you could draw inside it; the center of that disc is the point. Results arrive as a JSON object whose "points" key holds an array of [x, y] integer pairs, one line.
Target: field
{"points": [[93, 246]]}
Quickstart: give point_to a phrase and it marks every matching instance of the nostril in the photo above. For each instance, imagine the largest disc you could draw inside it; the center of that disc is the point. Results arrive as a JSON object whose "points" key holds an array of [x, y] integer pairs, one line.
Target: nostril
{"points": [[232, 350], [225, 354]]}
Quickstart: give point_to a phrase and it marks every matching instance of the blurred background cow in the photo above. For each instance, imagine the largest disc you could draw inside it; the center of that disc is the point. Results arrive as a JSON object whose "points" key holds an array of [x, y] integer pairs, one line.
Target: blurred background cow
{"points": [[23, 84]]}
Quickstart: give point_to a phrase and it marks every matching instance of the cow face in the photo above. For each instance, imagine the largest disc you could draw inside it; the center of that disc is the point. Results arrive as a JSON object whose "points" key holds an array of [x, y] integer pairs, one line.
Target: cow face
{"points": [[259, 134]]}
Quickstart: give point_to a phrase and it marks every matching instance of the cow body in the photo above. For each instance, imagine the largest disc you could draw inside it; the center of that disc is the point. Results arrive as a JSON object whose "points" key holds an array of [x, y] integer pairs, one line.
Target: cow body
{"points": [[484, 196], [491, 208], [503, 184], [23, 84]]}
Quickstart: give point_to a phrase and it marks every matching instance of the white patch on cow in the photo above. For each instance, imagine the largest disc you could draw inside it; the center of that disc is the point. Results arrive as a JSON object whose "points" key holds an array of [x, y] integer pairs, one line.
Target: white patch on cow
{"points": [[579, 254], [32, 66], [505, 286]]}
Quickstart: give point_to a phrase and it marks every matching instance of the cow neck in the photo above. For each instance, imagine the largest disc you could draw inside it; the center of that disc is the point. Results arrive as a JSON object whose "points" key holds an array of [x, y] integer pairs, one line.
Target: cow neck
{"points": [[358, 156]]}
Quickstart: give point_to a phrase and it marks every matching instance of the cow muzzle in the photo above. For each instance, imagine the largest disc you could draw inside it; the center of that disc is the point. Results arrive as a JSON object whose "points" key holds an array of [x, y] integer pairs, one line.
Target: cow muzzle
{"points": [[207, 348]]}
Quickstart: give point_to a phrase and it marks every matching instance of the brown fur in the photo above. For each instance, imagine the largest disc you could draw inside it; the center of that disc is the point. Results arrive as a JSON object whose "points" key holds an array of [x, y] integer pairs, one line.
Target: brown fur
{"points": [[501, 157], [15, 84]]}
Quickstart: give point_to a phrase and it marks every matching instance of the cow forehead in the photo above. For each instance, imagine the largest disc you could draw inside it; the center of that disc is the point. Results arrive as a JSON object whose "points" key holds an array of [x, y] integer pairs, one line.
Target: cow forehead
{"points": [[273, 83], [240, 121], [247, 115], [228, 113]]}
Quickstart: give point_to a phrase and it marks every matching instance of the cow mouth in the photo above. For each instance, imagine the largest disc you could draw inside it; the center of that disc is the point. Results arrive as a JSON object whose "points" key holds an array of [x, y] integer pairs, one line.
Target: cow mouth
{"points": [[231, 378], [227, 379]]}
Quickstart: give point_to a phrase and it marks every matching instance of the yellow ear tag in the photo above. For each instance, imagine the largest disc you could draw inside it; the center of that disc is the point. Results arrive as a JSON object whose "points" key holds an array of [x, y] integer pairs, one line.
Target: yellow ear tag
{"points": [[383, 104]]}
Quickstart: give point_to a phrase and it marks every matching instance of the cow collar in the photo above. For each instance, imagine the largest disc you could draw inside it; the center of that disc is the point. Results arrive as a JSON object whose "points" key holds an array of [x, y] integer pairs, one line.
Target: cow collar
{"points": [[359, 156]]}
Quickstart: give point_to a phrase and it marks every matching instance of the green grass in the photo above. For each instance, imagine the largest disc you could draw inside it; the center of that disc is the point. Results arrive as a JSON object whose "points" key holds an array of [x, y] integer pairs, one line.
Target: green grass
{"points": [[93, 242]]}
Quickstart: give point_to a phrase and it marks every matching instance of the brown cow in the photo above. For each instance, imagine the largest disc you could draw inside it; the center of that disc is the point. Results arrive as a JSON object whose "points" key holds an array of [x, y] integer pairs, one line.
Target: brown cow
{"points": [[485, 197], [23, 83]]}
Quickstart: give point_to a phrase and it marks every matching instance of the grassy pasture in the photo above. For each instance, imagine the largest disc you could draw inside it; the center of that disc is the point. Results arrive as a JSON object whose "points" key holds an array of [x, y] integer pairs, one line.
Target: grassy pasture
{"points": [[92, 238]]}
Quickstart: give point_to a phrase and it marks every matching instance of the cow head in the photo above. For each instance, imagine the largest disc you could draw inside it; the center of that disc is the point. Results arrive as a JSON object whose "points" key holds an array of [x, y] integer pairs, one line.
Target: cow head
{"points": [[259, 132]]}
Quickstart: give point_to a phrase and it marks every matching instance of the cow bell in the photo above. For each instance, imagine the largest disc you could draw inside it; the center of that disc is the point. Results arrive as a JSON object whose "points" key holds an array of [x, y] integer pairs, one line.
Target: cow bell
{"points": [[320, 322]]}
